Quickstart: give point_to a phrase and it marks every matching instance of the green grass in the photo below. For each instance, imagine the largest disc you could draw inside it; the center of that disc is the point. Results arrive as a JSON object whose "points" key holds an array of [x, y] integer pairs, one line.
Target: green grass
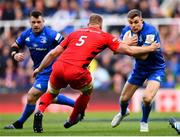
{"points": [[95, 124]]}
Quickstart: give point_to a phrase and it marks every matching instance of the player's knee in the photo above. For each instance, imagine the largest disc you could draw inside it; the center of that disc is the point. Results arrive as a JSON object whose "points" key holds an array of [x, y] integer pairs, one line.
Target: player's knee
{"points": [[124, 97], [87, 89], [31, 98], [52, 90], [147, 100]]}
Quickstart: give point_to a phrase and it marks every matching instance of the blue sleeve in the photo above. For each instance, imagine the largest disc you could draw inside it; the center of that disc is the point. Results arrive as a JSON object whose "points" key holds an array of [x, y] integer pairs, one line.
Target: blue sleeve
{"points": [[56, 37], [21, 39], [122, 33], [151, 36]]}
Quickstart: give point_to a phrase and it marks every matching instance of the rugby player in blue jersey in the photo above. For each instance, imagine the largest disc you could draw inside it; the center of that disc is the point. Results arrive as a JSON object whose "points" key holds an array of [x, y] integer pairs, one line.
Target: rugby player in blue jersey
{"points": [[39, 39], [149, 67]]}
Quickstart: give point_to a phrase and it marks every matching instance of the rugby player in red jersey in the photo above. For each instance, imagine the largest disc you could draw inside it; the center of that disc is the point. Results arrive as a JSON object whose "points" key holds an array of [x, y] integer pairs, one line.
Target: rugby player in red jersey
{"points": [[75, 54]]}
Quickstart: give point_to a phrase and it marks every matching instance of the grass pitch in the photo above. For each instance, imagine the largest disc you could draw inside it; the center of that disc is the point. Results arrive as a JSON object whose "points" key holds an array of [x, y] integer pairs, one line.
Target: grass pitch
{"points": [[94, 124]]}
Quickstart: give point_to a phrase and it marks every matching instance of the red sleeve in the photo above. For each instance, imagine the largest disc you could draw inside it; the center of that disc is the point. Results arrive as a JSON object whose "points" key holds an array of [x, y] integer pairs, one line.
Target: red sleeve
{"points": [[112, 42], [65, 42]]}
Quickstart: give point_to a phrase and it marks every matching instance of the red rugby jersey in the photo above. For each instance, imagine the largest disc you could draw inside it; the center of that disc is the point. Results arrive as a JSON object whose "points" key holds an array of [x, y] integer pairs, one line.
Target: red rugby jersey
{"points": [[83, 45]]}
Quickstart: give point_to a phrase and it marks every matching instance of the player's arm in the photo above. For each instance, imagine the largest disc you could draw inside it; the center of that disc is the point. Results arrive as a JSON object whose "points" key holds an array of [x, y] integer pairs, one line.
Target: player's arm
{"points": [[56, 37], [143, 56], [133, 41], [127, 39], [53, 54], [135, 50], [121, 47], [15, 52], [20, 42], [149, 39]]}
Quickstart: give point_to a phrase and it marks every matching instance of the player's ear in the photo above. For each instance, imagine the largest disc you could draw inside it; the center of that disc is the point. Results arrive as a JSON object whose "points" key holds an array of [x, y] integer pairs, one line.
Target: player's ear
{"points": [[100, 26], [30, 20]]}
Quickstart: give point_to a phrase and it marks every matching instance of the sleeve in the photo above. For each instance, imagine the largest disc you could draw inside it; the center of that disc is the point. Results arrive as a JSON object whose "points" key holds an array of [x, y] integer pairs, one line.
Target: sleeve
{"points": [[112, 42], [122, 34], [21, 39], [151, 36], [56, 37], [65, 42], [126, 30]]}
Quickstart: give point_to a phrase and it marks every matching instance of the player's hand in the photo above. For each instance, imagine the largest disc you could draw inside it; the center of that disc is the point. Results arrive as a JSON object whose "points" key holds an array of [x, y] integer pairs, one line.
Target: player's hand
{"points": [[131, 41], [155, 46], [36, 71], [19, 57]]}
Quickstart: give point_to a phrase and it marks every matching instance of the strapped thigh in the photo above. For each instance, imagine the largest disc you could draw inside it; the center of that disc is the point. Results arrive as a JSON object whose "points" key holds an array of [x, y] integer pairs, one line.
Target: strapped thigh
{"points": [[51, 89], [87, 89]]}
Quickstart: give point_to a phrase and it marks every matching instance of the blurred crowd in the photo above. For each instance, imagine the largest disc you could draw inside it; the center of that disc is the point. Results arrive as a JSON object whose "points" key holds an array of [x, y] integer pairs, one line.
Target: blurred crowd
{"points": [[110, 71], [76, 9]]}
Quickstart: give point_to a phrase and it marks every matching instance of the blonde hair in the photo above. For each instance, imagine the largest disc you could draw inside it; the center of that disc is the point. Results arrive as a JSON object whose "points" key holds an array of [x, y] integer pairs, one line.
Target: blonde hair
{"points": [[95, 19]]}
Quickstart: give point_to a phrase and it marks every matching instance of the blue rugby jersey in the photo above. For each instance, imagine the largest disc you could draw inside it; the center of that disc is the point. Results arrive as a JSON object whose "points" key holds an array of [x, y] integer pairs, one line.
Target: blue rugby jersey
{"points": [[146, 36], [39, 44]]}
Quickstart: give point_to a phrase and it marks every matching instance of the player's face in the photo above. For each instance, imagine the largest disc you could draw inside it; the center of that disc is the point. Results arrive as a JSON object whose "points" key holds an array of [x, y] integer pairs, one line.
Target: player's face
{"points": [[37, 24], [135, 23]]}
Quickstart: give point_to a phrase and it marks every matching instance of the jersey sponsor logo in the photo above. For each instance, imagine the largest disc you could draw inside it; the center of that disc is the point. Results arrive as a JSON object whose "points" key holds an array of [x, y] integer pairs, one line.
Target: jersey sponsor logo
{"points": [[158, 78], [38, 85], [150, 38], [140, 39], [90, 30], [41, 49], [43, 40], [95, 31], [35, 45], [27, 39]]}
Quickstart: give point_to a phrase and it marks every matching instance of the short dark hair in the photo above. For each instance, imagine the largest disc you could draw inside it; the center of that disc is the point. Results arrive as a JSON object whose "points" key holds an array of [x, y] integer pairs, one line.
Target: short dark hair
{"points": [[35, 13], [133, 13]]}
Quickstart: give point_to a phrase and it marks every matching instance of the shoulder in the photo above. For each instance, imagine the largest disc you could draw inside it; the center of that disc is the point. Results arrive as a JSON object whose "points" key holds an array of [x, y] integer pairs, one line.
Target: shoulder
{"points": [[105, 35], [150, 33], [125, 31], [108, 36], [126, 28], [26, 32], [148, 28], [50, 32]]}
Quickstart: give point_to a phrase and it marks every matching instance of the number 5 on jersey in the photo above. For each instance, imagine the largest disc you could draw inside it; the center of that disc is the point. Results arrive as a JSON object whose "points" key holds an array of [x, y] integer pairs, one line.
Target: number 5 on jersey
{"points": [[81, 41]]}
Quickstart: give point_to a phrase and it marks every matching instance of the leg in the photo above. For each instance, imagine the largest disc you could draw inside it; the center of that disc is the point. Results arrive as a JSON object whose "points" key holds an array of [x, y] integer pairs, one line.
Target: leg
{"points": [[45, 100], [135, 80], [63, 100], [80, 106], [126, 95], [32, 96], [149, 93]]}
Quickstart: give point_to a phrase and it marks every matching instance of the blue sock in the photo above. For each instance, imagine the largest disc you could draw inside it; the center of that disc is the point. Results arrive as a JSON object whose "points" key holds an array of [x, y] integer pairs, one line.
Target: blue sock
{"points": [[124, 105], [145, 113], [29, 109], [61, 99]]}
